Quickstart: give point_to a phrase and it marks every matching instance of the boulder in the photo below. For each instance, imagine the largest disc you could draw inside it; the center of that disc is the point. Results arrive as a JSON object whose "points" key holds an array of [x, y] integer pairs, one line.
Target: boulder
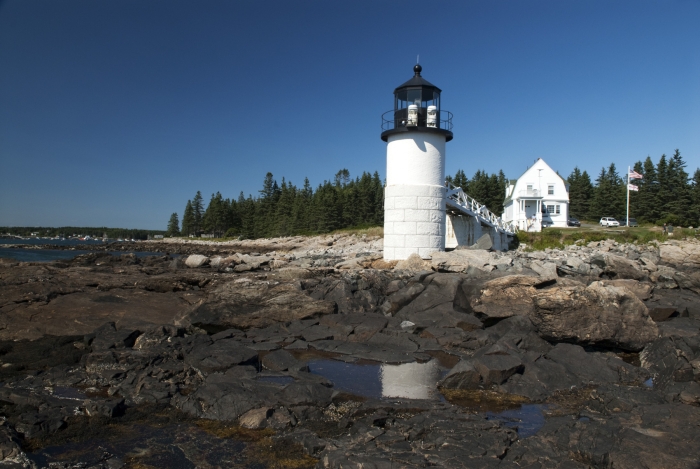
{"points": [[689, 280], [255, 419], [642, 290], [664, 277], [496, 368], [563, 311], [596, 314], [196, 260], [473, 262], [401, 298], [576, 266], [546, 270], [498, 298], [414, 262], [618, 267], [463, 375], [680, 253], [485, 370], [440, 289]]}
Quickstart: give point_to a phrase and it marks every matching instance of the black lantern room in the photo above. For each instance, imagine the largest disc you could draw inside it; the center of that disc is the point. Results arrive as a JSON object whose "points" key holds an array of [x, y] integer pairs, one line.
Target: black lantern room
{"points": [[417, 108]]}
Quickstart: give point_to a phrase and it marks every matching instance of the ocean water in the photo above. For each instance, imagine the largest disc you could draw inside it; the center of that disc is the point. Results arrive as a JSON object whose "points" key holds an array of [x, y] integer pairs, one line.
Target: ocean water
{"points": [[48, 255]]}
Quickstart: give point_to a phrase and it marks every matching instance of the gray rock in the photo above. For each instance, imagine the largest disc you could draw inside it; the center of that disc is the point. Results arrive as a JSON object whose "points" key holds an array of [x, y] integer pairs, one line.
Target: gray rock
{"points": [[497, 368], [256, 418], [463, 375], [220, 356], [281, 360], [196, 260]]}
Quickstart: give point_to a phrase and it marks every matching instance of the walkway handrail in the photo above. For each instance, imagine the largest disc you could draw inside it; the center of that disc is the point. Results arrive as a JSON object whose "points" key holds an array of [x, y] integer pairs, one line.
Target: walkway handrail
{"points": [[468, 203]]}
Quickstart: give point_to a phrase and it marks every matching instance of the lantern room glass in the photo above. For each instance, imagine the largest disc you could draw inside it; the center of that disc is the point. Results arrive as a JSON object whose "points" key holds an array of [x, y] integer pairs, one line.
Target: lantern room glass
{"points": [[420, 97]]}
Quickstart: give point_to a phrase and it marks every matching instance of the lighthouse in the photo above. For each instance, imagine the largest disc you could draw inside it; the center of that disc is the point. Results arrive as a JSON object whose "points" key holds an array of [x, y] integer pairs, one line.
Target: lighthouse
{"points": [[416, 132]]}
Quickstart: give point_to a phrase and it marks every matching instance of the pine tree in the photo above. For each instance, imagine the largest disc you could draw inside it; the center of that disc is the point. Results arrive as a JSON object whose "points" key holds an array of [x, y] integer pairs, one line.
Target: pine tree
{"points": [[173, 226], [188, 223], [284, 223], [342, 178], [302, 209], [609, 195], [580, 194], [461, 180], [198, 212], [646, 207], [214, 218], [377, 200], [695, 197], [680, 191], [247, 211]]}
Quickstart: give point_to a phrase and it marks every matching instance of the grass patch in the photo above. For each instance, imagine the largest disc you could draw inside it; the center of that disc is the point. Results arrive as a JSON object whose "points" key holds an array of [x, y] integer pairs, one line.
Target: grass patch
{"points": [[555, 238], [361, 230]]}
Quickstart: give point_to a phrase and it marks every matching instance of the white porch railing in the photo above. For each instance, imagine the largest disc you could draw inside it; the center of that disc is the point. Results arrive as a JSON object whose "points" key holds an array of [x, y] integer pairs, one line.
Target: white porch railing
{"points": [[530, 193], [457, 198]]}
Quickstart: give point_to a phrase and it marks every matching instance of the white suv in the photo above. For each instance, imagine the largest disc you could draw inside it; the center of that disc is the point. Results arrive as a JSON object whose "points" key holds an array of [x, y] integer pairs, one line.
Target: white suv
{"points": [[609, 221]]}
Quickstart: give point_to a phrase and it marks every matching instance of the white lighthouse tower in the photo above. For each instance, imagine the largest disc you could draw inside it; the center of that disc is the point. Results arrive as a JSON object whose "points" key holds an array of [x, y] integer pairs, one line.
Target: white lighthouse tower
{"points": [[416, 131]]}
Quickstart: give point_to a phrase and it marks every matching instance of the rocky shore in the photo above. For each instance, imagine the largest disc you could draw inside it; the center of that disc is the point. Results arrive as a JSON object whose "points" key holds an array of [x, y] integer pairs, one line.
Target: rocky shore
{"points": [[314, 352]]}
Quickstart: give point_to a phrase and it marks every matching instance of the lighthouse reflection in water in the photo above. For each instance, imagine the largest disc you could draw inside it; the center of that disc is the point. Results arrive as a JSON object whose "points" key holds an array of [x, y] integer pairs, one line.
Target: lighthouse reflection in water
{"points": [[407, 380]]}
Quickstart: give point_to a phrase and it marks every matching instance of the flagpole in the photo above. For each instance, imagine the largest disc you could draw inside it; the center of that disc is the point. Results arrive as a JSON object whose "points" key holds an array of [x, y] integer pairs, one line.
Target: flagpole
{"points": [[627, 221]]}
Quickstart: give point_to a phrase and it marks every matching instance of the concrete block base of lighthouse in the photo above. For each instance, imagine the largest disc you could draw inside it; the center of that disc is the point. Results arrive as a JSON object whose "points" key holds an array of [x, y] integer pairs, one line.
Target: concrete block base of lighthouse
{"points": [[414, 198]]}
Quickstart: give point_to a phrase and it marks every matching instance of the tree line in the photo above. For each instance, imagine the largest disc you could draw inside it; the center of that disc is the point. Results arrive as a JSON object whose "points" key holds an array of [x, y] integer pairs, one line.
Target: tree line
{"points": [[666, 193], [70, 231], [287, 210]]}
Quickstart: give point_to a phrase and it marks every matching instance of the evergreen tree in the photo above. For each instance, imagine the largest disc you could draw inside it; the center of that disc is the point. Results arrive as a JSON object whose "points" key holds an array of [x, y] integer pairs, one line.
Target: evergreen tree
{"points": [[188, 223], [680, 201], [342, 178], [247, 214], [302, 209], [377, 200], [173, 226], [285, 210], [214, 218], [266, 207], [198, 212], [646, 208], [663, 190], [580, 194], [609, 196], [695, 197], [461, 180]]}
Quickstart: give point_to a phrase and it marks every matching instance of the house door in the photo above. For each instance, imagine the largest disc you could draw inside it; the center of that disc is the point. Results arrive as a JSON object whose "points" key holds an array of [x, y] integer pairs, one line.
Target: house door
{"points": [[530, 209]]}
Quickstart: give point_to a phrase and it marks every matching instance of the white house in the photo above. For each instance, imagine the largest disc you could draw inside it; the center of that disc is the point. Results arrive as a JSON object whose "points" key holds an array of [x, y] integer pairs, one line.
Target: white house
{"points": [[540, 197]]}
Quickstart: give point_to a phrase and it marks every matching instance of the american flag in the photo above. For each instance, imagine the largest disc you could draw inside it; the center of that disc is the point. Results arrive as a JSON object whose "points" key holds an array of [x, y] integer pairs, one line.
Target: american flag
{"points": [[632, 187], [635, 175]]}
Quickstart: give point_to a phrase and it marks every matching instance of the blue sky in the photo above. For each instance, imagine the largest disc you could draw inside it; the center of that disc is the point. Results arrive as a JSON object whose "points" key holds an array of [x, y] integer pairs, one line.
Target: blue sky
{"points": [[116, 112]]}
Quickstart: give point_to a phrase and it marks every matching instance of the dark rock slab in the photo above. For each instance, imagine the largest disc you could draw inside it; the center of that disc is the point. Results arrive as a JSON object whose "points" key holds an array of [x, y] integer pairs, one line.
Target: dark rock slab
{"points": [[281, 360], [220, 356]]}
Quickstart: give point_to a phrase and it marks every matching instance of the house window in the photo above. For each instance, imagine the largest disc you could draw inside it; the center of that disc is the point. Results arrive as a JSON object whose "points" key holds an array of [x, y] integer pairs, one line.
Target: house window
{"points": [[550, 209], [558, 209], [529, 187], [550, 189]]}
